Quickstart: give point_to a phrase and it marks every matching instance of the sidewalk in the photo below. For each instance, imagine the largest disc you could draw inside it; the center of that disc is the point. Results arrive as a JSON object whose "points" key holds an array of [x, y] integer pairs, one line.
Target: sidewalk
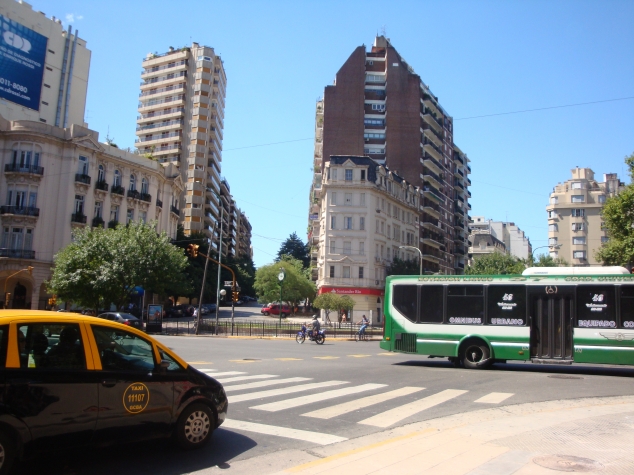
{"points": [[592, 435], [585, 435]]}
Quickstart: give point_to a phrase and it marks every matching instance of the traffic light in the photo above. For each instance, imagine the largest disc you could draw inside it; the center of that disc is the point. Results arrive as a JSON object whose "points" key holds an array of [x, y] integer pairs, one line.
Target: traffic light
{"points": [[236, 296], [192, 250]]}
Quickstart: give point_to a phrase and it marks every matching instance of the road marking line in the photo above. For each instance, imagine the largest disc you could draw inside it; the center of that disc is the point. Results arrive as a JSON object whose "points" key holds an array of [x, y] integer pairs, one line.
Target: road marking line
{"points": [[245, 378], [388, 418], [261, 384], [226, 373], [341, 455], [339, 409], [494, 398], [308, 436], [386, 354], [326, 357], [288, 390], [289, 359], [318, 397], [208, 370], [244, 361], [359, 356]]}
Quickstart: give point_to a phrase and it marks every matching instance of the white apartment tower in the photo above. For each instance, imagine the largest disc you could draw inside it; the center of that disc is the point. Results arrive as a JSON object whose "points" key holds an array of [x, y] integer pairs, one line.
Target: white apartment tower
{"points": [[575, 227], [181, 121]]}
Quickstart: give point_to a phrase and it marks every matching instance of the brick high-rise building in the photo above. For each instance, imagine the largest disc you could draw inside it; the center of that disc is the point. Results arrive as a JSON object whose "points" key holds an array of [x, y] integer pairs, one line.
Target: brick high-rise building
{"points": [[379, 107], [181, 121]]}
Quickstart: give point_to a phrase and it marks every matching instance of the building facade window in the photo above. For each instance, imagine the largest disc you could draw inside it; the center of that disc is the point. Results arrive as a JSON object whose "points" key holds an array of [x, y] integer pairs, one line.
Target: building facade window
{"points": [[130, 215], [360, 272], [348, 197], [578, 213], [362, 175], [552, 241], [143, 216], [578, 226], [101, 174], [117, 178], [347, 247], [362, 223], [98, 209], [579, 240], [26, 155], [17, 238], [83, 165], [333, 222], [362, 248], [332, 271], [362, 199], [601, 199], [347, 221], [579, 254], [333, 198], [333, 246], [552, 214], [145, 186], [348, 174], [79, 204], [114, 213], [577, 199], [554, 200], [346, 272], [604, 239], [576, 185], [132, 183]]}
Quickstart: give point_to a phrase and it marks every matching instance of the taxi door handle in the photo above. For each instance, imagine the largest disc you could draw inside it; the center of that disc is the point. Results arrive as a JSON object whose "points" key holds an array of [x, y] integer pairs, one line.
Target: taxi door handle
{"points": [[109, 382]]}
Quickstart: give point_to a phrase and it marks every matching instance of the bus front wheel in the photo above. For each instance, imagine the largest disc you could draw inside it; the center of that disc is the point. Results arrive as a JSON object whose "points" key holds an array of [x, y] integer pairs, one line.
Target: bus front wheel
{"points": [[476, 355]]}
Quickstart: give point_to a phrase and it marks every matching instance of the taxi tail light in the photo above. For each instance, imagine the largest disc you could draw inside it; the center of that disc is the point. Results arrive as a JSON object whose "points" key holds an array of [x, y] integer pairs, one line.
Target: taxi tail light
{"points": [[126, 322]]}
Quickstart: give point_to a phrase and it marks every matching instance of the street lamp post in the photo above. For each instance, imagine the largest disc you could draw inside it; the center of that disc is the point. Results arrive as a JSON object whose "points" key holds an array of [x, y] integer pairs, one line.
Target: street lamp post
{"points": [[222, 208], [555, 246], [420, 270], [280, 277]]}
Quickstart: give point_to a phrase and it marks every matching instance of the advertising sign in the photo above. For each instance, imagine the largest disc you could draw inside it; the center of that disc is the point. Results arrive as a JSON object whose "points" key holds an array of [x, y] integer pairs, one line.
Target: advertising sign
{"points": [[154, 319], [22, 55], [351, 291]]}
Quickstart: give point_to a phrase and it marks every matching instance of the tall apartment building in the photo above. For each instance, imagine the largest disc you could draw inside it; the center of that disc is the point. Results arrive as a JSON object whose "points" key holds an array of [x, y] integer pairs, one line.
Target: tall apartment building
{"points": [[575, 227], [244, 237], [44, 68], [513, 239], [365, 213], [181, 121], [379, 107]]}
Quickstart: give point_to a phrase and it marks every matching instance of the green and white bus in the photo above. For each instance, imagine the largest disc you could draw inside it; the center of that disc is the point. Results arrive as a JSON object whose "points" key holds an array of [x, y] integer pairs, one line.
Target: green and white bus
{"points": [[547, 315]]}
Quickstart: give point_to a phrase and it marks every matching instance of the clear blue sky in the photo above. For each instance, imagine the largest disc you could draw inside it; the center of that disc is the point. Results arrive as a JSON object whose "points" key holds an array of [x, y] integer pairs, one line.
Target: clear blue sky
{"points": [[479, 57]]}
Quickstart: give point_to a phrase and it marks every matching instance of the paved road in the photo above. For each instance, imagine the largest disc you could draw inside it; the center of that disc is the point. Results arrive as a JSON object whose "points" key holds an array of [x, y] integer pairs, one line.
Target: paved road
{"points": [[288, 396]]}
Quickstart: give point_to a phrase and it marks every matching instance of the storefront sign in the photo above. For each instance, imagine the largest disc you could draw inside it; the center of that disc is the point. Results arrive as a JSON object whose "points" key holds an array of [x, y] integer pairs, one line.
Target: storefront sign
{"points": [[351, 291]]}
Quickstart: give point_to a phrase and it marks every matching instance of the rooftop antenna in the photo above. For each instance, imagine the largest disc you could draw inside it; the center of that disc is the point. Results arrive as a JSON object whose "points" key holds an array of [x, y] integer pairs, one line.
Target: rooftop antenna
{"points": [[383, 33]]}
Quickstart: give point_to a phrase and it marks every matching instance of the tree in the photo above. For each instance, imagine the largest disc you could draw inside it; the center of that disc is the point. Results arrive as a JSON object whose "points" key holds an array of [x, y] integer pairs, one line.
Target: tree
{"points": [[403, 267], [103, 266], [329, 302], [618, 215], [495, 263], [295, 288], [545, 260], [295, 247]]}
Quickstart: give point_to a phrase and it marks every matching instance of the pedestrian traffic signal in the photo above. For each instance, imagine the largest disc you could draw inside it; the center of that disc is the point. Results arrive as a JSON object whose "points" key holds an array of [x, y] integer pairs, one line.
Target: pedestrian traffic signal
{"points": [[192, 250], [236, 296]]}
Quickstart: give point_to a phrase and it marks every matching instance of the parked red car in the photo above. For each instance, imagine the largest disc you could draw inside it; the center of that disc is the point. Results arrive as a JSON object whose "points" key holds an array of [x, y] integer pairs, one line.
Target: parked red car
{"points": [[274, 309]]}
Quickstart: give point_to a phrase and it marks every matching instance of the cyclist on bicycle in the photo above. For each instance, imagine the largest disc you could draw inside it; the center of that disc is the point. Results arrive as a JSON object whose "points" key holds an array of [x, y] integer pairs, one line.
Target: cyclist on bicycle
{"points": [[364, 324], [316, 327]]}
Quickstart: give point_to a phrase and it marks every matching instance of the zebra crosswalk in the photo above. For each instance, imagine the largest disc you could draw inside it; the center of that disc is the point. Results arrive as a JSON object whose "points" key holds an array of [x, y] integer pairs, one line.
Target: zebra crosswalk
{"points": [[387, 406]]}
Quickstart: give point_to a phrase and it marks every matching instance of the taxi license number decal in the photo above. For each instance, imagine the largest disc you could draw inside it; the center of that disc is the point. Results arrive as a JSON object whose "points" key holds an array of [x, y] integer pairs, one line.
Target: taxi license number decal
{"points": [[136, 398]]}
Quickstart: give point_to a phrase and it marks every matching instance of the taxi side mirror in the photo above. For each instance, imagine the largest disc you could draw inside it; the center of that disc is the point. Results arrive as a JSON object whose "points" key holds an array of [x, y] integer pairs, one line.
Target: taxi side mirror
{"points": [[164, 364]]}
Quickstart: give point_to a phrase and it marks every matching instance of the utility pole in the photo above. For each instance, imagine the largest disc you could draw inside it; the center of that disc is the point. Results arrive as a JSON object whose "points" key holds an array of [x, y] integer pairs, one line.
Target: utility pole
{"points": [[222, 209]]}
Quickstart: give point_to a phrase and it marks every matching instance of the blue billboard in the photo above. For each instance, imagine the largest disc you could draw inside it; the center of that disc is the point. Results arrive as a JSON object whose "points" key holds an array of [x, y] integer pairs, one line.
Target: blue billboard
{"points": [[22, 55]]}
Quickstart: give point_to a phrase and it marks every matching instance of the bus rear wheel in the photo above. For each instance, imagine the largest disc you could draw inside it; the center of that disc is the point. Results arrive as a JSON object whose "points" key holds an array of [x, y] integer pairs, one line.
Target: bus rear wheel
{"points": [[476, 355]]}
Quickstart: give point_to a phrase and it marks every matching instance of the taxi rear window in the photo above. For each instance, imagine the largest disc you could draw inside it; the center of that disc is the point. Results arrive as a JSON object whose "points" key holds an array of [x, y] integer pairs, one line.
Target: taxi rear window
{"points": [[55, 346]]}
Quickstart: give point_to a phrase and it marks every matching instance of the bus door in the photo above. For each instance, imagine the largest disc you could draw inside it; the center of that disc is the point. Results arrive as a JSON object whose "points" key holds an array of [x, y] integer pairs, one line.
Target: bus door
{"points": [[551, 314]]}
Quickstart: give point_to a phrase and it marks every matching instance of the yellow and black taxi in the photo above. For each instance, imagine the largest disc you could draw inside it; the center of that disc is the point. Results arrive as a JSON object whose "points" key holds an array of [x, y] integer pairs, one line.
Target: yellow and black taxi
{"points": [[69, 380]]}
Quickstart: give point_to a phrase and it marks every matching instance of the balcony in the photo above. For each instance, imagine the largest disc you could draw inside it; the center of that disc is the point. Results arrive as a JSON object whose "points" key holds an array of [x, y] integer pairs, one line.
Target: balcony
{"points": [[458, 185], [431, 257], [166, 148], [432, 178], [431, 224], [17, 253], [178, 123], [177, 87], [432, 239], [78, 218], [432, 163], [458, 158], [159, 203], [459, 211], [117, 190], [375, 94], [101, 185], [175, 210], [155, 69], [135, 195], [97, 221], [81, 178], [20, 210], [165, 137], [26, 169], [433, 193], [154, 114], [431, 208], [145, 197]]}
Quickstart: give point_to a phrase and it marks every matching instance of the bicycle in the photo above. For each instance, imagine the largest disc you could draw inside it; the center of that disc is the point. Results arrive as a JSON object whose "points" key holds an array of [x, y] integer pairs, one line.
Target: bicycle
{"points": [[360, 336]]}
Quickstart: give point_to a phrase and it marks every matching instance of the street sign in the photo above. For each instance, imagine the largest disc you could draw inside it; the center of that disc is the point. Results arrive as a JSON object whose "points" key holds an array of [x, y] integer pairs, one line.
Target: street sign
{"points": [[229, 283]]}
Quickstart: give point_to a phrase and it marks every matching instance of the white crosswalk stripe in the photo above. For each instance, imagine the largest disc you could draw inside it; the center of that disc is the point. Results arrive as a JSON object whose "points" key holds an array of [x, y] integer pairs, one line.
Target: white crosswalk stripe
{"points": [[346, 407], [303, 400], [245, 378], [494, 398], [308, 436], [281, 391], [226, 373], [388, 418], [263, 384]]}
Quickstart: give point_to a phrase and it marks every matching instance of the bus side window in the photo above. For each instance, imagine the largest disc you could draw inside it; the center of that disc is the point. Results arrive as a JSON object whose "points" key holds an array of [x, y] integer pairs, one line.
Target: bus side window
{"points": [[465, 304], [431, 304], [506, 305], [404, 299], [595, 307], [627, 306]]}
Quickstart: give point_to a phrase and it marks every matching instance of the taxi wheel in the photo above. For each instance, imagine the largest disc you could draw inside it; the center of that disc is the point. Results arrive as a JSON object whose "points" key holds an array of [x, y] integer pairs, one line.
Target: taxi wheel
{"points": [[194, 427], [7, 453]]}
